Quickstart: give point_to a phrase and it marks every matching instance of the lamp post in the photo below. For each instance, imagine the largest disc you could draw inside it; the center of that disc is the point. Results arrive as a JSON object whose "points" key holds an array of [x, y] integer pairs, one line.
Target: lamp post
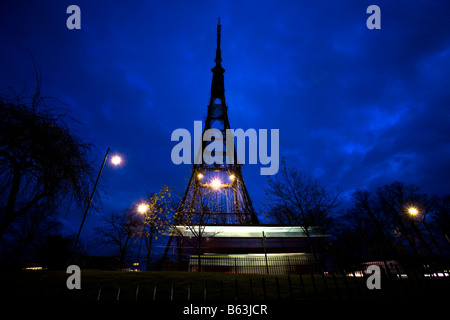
{"points": [[116, 160], [265, 251], [141, 209]]}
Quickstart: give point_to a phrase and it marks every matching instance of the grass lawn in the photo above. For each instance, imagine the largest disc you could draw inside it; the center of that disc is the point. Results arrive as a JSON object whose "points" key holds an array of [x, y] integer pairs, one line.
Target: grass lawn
{"points": [[181, 286]]}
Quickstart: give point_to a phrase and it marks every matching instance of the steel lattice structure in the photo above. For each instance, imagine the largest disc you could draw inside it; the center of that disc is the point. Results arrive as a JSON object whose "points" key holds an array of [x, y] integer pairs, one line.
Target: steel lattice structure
{"points": [[217, 190]]}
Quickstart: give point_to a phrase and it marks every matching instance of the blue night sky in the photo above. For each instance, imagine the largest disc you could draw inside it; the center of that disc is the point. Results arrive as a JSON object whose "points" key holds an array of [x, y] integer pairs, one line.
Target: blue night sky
{"points": [[356, 108]]}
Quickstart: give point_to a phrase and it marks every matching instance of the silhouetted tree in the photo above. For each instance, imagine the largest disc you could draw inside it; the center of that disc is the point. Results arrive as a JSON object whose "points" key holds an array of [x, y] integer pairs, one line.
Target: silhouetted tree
{"points": [[297, 199], [117, 231], [41, 162], [441, 221], [394, 200], [383, 227], [365, 227], [27, 234]]}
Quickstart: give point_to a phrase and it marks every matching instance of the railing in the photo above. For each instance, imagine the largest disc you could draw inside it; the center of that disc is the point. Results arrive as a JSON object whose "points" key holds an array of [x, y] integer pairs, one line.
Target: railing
{"points": [[239, 277], [310, 283], [276, 265]]}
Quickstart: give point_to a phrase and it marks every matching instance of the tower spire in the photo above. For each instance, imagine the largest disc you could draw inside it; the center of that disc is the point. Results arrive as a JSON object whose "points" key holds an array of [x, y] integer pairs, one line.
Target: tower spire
{"points": [[218, 59], [217, 85]]}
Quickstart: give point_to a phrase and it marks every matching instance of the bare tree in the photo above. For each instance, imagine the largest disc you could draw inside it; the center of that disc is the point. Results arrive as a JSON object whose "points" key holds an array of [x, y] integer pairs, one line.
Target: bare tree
{"points": [[395, 221], [27, 234], [395, 201], [118, 230], [369, 227], [41, 162], [295, 198], [441, 220], [429, 206]]}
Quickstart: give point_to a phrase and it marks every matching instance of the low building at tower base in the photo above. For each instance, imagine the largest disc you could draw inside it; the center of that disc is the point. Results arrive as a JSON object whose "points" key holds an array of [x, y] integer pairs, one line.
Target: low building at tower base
{"points": [[261, 249]]}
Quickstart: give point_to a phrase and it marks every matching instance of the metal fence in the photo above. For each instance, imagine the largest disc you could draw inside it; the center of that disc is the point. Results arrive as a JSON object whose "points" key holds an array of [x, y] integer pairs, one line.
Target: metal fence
{"points": [[246, 277], [272, 264], [408, 283]]}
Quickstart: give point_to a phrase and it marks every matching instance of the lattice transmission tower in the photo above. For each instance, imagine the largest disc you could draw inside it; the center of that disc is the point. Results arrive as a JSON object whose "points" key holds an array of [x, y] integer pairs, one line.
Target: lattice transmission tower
{"points": [[217, 190]]}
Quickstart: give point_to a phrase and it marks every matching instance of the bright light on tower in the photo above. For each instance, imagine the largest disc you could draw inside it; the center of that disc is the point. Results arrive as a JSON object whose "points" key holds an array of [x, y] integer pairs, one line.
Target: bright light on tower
{"points": [[413, 211], [200, 176], [232, 177], [216, 183], [142, 208], [116, 160]]}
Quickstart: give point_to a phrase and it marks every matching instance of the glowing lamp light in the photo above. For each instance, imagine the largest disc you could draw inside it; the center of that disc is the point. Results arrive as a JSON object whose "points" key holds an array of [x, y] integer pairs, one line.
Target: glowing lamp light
{"points": [[232, 177], [142, 208], [116, 160], [413, 211], [216, 184], [200, 176]]}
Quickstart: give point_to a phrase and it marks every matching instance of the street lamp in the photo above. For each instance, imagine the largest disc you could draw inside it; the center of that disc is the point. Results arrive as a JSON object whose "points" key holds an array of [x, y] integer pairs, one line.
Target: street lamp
{"points": [[413, 211], [116, 160], [142, 208]]}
